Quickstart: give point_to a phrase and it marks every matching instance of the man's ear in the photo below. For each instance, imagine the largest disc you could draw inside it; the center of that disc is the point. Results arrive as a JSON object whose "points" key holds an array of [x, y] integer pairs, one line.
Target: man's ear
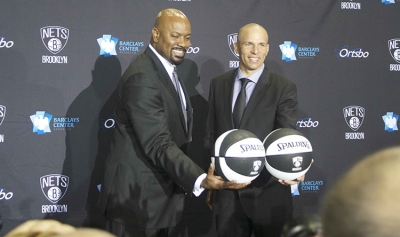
{"points": [[235, 46], [155, 34]]}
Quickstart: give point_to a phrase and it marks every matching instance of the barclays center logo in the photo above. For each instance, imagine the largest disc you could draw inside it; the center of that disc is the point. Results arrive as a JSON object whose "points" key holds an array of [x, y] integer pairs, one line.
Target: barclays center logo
{"points": [[291, 51], [107, 45], [390, 120], [387, 2], [41, 122], [288, 50]]}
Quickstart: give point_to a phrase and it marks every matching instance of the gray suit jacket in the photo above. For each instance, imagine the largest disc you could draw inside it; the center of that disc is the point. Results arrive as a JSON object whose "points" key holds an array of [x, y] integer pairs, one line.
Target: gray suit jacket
{"points": [[147, 171]]}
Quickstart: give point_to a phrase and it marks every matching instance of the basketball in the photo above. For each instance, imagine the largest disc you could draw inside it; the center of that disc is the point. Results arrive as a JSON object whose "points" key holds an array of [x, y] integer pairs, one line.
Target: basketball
{"points": [[238, 155], [288, 153]]}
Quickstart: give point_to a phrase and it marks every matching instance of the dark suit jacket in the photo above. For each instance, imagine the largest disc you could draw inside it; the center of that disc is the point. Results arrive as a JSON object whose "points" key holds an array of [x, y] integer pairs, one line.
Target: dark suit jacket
{"points": [[272, 105], [147, 172]]}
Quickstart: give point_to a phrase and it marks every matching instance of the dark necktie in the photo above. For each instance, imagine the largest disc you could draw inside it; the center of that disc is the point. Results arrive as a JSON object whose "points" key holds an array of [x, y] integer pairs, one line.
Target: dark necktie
{"points": [[240, 103], [178, 90]]}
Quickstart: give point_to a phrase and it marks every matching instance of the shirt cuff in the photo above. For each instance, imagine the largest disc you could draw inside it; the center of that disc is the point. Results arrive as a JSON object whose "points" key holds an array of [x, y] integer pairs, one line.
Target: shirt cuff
{"points": [[197, 189]]}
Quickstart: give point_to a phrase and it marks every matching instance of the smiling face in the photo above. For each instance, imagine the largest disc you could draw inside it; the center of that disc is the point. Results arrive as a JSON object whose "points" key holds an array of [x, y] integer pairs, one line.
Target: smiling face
{"points": [[171, 37], [252, 47]]}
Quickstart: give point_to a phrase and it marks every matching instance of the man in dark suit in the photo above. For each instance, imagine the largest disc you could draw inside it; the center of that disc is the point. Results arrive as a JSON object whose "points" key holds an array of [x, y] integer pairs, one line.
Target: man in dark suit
{"points": [[147, 172], [270, 103]]}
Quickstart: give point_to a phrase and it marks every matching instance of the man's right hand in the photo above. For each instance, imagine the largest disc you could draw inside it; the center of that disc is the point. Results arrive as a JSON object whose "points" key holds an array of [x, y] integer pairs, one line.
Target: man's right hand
{"points": [[212, 182]]}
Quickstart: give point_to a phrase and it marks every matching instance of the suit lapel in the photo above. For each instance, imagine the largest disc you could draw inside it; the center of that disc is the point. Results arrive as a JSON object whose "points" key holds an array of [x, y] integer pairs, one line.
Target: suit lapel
{"points": [[166, 80], [260, 89], [228, 97]]}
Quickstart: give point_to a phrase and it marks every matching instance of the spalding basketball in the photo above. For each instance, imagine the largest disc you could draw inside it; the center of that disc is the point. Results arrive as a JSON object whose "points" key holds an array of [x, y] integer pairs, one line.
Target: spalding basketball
{"points": [[239, 155], [288, 153]]}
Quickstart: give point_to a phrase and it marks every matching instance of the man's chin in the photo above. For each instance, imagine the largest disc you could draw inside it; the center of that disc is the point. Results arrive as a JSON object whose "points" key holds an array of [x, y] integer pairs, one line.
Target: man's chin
{"points": [[177, 60]]}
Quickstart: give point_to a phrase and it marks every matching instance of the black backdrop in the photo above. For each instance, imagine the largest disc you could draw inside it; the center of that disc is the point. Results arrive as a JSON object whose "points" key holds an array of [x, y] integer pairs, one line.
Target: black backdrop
{"points": [[54, 76]]}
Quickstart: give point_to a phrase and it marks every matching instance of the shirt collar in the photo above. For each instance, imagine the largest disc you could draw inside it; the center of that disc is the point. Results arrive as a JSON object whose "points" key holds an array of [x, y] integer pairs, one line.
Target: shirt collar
{"points": [[254, 77], [167, 65]]}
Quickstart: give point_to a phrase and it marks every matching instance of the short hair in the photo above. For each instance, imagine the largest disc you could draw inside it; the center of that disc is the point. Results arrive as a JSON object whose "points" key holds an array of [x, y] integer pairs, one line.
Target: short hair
{"points": [[365, 202]]}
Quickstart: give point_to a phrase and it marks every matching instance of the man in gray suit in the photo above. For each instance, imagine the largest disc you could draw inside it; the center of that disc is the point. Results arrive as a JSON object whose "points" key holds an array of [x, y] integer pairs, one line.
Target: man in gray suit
{"points": [[147, 172], [269, 102]]}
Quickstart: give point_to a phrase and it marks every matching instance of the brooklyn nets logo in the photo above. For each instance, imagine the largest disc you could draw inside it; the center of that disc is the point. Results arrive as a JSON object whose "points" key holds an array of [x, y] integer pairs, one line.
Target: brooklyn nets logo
{"points": [[394, 49], [354, 116], [54, 186], [232, 39], [2, 113], [54, 38]]}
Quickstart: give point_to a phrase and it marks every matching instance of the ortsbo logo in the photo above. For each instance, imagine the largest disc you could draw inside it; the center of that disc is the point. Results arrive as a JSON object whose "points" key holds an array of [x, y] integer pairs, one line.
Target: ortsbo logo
{"points": [[54, 38], [54, 186]]}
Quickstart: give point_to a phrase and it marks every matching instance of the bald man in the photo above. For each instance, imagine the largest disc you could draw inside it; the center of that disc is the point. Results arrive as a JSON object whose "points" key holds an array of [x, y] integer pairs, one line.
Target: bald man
{"points": [[270, 103], [365, 201], [147, 172]]}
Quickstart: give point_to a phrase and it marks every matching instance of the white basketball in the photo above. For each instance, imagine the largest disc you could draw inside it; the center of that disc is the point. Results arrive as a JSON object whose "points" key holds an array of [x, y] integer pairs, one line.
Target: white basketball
{"points": [[288, 153], [238, 155]]}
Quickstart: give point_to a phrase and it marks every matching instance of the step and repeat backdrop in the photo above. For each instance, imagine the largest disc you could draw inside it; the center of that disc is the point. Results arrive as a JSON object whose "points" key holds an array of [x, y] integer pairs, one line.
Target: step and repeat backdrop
{"points": [[60, 62]]}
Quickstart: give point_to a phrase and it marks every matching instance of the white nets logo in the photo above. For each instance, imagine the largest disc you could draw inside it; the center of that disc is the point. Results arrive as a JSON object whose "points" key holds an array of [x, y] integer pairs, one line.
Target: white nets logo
{"points": [[107, 45], [390, 120], [41, 122], [54, 186], [354, 116], [288, 50], [2, 113], [232, 40], [54, 38]]}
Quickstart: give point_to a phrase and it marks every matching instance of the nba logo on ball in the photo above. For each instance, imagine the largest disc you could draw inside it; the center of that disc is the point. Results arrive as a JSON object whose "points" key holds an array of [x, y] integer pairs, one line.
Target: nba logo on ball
{"points": [[239, 155], [288, 153]]}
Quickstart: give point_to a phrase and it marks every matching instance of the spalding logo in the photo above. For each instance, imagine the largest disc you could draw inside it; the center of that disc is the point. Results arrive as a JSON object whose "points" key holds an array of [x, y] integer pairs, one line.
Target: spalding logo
{"points": [[251, 147], [288, 145]]}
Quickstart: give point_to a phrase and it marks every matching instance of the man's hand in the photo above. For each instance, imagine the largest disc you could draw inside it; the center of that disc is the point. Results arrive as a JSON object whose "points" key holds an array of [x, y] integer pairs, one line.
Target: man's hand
{"points": [[290, 182], [298, 180], [213, 182]]}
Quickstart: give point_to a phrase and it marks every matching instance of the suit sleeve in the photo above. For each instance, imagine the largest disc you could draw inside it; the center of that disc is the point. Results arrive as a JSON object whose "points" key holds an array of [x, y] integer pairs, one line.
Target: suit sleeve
{"points": [[286, 112], [144, 105]]}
